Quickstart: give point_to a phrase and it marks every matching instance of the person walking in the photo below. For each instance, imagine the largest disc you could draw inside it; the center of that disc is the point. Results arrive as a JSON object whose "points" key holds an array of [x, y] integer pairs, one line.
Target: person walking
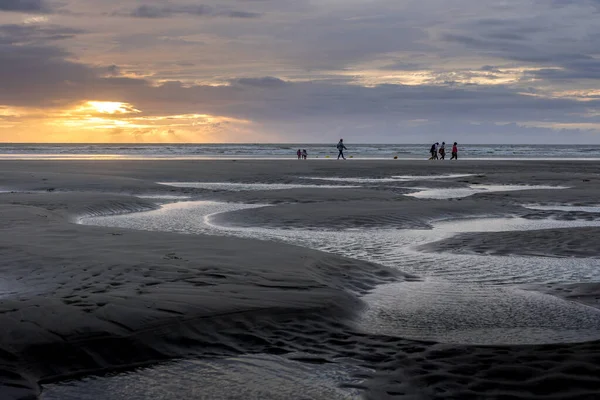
{"points": [[299, 154], [340, 146], [304, 154], [434, 151], [443, 151], [454, 151]]}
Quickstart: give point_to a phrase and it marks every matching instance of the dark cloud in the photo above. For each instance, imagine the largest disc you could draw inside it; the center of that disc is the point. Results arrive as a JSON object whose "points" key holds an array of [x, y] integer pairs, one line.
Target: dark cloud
{"points": [[506, 36], [563, 52], [497, 44], [309, 101], [265, 82], [490, 68], [577, 67], [40, 76], [24, 5], [566, 3], [404, 66], [148, 11], [151, 12], [508, 25], [13, 33], [32, 70], [113, 70], [240, 14]]}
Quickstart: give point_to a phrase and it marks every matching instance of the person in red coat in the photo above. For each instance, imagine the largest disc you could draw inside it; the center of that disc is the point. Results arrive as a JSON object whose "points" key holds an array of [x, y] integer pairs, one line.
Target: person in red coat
{"points": [[454, 151]]}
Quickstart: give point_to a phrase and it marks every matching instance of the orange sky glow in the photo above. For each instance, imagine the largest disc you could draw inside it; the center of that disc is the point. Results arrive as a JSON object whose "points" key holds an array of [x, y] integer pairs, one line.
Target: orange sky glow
{"points": [[115, 122]]}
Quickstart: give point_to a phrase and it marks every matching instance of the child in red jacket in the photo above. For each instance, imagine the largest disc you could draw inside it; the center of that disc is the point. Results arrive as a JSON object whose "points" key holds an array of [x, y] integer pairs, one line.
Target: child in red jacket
{"points": [[454, 151]]}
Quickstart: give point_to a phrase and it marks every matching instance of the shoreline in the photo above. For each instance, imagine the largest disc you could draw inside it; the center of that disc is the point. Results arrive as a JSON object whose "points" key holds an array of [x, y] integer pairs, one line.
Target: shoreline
{"points": [[118, 157]]}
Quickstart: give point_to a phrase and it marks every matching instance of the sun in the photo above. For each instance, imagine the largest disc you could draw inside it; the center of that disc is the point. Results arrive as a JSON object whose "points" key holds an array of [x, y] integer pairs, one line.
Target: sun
{"points": [[110, 107]]}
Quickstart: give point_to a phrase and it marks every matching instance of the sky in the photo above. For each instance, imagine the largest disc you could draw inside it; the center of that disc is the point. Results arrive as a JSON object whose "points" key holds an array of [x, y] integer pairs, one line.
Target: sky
{"points": [[300, 71]]}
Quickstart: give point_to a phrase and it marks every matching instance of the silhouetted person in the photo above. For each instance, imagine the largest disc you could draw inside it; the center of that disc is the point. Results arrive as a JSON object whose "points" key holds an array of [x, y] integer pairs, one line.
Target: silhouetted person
{"points": [[340, 146], [454, 152], [304, 154], [299, 154], [434, 151], [443, 151]]}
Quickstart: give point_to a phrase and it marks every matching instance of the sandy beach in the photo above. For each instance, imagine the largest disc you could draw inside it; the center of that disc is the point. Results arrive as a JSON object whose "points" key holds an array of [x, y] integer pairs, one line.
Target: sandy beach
{"points": [[114, 265]]}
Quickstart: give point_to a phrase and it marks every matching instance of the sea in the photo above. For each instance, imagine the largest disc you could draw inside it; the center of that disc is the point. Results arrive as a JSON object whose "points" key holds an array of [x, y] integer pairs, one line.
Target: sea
{"points": [[45, 151]]}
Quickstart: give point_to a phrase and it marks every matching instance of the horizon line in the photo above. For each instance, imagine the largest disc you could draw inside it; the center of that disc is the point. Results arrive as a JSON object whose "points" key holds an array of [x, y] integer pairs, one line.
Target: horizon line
{"points": [[286, 143]]}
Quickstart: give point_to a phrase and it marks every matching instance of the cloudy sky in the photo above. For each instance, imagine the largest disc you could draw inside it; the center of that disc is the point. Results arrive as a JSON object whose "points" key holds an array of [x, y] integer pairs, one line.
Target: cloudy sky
{"points": [[396, 71]]}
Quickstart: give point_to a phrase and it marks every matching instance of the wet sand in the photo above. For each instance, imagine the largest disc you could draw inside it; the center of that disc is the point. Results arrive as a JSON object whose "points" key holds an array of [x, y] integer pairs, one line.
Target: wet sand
{"points": [[78, 299]]}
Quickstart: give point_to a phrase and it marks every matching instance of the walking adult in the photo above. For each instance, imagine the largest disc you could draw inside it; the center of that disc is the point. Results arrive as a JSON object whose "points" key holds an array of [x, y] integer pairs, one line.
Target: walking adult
{"points": [[443, 151], [434, 151], [340, 146]]}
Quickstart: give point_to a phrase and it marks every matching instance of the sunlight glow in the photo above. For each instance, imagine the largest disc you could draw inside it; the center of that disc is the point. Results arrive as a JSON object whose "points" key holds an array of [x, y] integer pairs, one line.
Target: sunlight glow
{"points": [[35, 20], [108, 107], [9, 112], [98, 123], [197, 119], [120, 122]]}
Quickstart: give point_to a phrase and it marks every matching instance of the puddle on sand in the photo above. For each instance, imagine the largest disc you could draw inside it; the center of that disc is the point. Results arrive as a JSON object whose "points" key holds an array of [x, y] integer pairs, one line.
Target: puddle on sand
{"points": [[162, 196], [567, 208], [10, 288], [239, 187], [451, 312], [246, 377], [395, 178], [454, 193]]}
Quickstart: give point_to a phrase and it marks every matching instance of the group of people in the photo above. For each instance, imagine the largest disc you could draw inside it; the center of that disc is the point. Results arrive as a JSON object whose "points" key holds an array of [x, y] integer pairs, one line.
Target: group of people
{"points": [[439, 152], [302, 154]]}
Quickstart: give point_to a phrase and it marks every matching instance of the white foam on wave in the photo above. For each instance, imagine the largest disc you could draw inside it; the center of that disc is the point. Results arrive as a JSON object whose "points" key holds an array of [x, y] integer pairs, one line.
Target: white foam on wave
{"points": [[238, 187], [285, 152], [453, 193]]}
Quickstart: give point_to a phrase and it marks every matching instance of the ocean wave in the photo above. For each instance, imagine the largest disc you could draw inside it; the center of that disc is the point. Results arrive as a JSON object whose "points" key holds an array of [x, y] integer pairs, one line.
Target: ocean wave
{"points": [[289, 150]]}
